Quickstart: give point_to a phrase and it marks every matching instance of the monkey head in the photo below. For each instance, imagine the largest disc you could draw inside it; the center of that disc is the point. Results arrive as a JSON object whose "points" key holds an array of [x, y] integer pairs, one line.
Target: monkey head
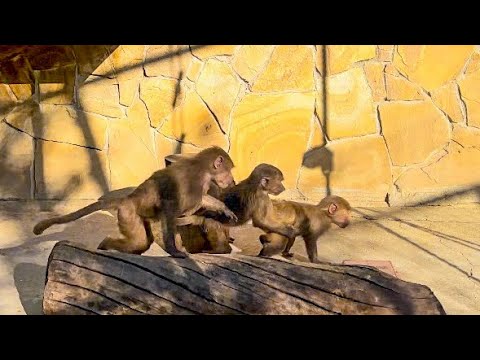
{"points": [[269, 178], [220, 166], [338, 210]]}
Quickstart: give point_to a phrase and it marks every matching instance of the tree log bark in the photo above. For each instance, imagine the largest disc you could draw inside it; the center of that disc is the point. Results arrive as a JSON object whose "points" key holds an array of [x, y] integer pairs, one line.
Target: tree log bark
{"points": [[83, 281]]}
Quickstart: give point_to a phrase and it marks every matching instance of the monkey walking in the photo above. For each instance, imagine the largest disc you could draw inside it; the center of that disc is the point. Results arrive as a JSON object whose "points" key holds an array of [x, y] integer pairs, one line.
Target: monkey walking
{"points": [[180, 189], [248, 200], [309, 221]]}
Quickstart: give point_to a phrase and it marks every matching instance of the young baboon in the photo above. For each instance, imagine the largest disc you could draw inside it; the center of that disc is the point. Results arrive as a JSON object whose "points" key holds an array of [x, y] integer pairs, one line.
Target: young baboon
{"points": [[248, 200], [309, 221], [180, 189]]}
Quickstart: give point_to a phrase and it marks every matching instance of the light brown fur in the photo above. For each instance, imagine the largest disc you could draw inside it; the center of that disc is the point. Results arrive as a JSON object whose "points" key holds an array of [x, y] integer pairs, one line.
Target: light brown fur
{"points": [[309, 221], [248, 200], [180, 189]]}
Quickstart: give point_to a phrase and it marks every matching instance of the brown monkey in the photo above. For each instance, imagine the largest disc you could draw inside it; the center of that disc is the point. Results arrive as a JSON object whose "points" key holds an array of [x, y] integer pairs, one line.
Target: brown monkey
{"points": [[309, 221], [249, 200], [180, 189], [211, 236]]}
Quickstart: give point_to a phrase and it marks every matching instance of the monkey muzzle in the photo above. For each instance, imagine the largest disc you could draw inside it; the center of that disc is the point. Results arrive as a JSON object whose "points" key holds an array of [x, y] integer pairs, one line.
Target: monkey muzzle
{"points": [[343, 225]]}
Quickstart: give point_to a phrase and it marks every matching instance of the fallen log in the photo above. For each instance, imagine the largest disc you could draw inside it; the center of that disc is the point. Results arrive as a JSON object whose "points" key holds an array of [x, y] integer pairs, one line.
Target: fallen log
{"points": [[83, 281]]}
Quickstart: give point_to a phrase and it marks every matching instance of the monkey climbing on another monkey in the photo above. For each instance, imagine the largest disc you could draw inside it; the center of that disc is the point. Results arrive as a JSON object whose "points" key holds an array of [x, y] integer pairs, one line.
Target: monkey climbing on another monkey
{"points": [[309, 221], [180, 189], [248, 200]]}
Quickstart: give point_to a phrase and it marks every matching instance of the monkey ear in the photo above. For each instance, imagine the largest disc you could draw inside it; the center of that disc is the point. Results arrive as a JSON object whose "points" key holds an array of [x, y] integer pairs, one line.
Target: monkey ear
{"points": [[264, 182], [332, 208], [218, 162]]}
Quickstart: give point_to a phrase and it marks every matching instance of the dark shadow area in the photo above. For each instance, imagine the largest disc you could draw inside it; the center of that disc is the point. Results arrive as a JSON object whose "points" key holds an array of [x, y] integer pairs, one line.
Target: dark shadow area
{"points": [[30, 281], [95, 166], [324, 89], [323, 158]]}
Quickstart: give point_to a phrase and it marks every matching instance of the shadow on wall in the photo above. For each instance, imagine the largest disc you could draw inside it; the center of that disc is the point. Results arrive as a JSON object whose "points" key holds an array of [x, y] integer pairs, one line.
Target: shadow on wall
{"points": [[323, 158], [30, 66], [320, 156], [16, 179]]}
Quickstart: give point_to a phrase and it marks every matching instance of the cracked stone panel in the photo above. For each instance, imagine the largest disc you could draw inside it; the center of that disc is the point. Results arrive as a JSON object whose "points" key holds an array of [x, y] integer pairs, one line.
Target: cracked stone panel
{"points": [[22, 91], [167, 60], [376, 79], [161, 96], [207, 51], [193, 123], [447, 98], [274, 129], [474, 63], [342, 57], [16, 71], [57, 177], [23, 116], [399, 88], [413, 130], [358, 168], [127, 61], [250, 60], [466, 136], [469, 85], [166, 146], [56, 86], [64, 124], [385, 52], [453, 172], [350, 107], [194, 69], [100, 96], [124, 62], [291, 68], [16, 159], [94, 59], [392, 70], [218, 87], [131, 151], [7, 98], [317, 136], [431, 66]]}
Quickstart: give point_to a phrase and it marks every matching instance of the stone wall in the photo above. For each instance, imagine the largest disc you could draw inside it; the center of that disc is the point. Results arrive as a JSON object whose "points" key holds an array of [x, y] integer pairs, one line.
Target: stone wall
{"points": [[380, 124]]}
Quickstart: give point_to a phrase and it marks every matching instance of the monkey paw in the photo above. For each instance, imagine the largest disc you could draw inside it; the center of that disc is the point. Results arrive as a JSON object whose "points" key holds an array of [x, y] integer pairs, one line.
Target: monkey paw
{"points": [[287, 254], [228, 213], [178, 254]]}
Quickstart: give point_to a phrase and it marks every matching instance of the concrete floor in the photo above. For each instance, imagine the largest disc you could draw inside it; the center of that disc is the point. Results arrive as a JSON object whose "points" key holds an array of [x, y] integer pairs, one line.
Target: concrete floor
{"points": [[435, 246]]}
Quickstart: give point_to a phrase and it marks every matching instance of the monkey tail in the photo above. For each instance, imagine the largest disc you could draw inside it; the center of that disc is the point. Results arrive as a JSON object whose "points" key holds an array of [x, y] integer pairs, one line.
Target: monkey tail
{"points": [[99, 205]]}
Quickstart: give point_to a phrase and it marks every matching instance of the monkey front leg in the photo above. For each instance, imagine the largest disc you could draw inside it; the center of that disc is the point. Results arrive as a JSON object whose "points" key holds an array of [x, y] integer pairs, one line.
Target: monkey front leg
{"points": [[212, 204], [311, 247]]}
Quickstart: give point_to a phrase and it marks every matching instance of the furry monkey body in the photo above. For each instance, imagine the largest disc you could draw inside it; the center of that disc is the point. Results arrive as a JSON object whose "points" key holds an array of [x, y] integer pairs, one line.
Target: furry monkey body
{"points": [[309, 221], [180, 189]]}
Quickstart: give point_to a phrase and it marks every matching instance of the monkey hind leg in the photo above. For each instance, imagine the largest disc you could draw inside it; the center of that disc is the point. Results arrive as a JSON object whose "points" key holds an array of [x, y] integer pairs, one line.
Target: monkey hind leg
{"points": [[136, 237], [286, 252], [272, 244]]}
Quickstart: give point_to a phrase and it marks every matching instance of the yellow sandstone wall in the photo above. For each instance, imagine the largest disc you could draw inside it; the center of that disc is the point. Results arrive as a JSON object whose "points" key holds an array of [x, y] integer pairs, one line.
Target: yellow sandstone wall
{"points": [[377, 124]]}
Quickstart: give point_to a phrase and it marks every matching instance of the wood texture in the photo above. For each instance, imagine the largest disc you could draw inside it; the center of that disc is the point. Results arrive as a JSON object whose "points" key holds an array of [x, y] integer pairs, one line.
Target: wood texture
{"points": [[83, 281]]}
